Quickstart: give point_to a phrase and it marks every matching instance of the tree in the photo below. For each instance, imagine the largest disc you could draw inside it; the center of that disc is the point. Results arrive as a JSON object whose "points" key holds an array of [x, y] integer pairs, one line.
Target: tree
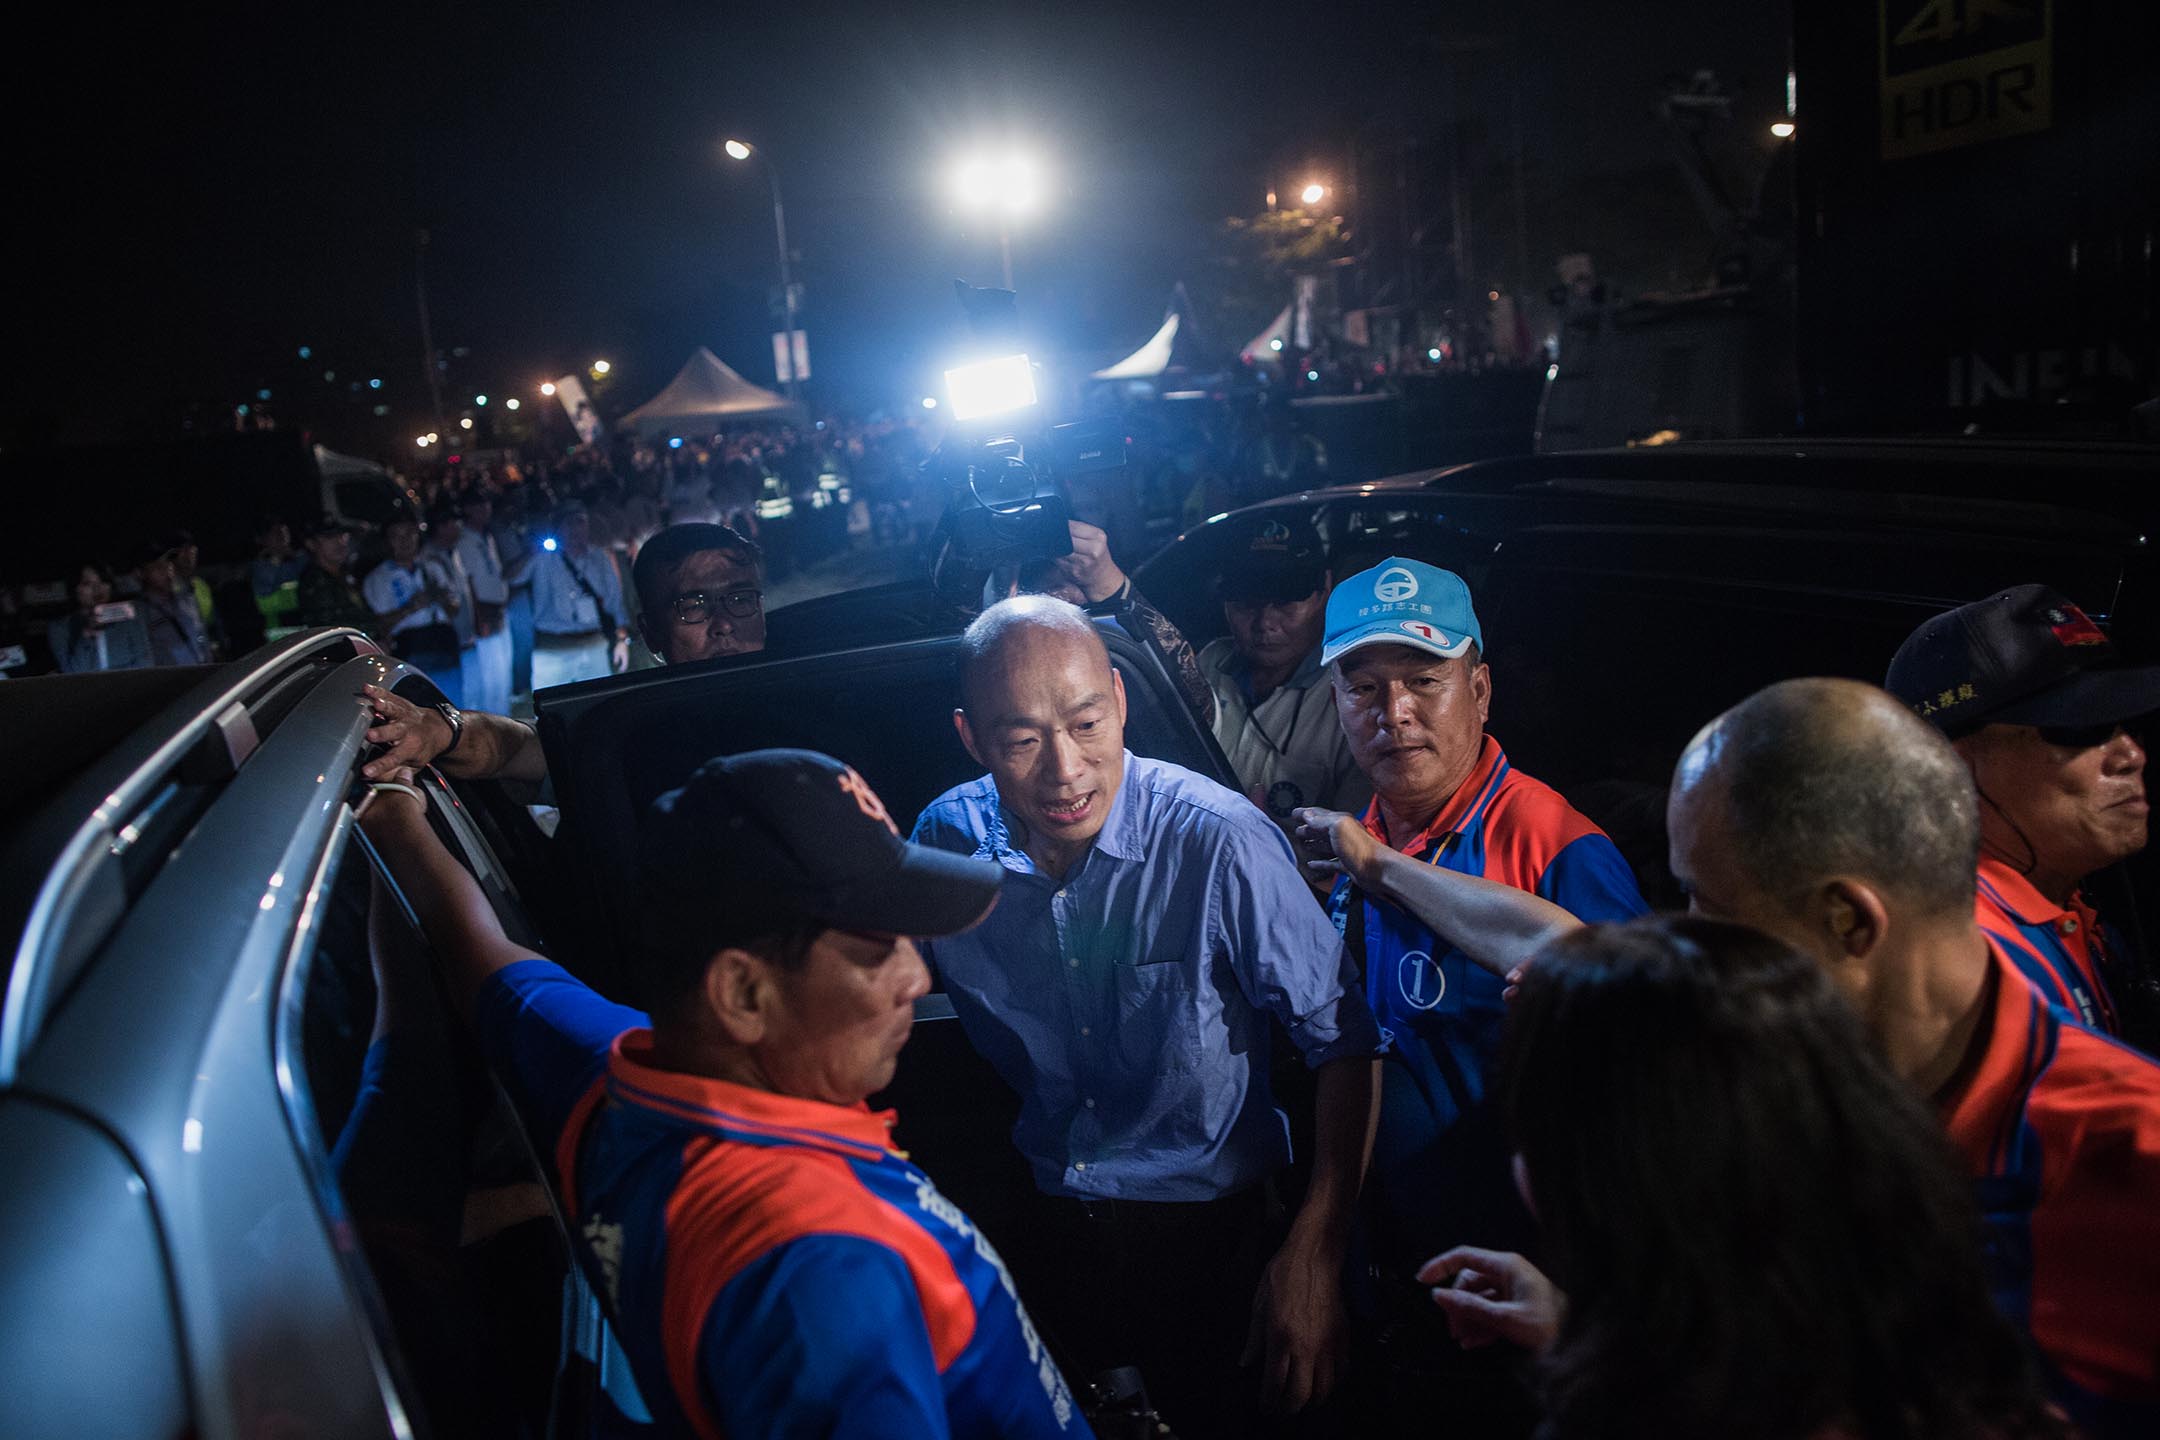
{"points": [[1246, 276]]}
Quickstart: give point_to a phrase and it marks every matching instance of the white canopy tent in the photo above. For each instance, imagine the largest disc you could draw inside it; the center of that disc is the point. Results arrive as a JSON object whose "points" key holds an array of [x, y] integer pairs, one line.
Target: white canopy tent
{"points": [[705, 394], [1150, 360], [1267, 346]]}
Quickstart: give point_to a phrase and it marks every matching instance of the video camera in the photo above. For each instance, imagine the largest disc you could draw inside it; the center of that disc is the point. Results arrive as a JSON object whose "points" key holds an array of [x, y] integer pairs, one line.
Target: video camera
{"points": [[1002, 466]]}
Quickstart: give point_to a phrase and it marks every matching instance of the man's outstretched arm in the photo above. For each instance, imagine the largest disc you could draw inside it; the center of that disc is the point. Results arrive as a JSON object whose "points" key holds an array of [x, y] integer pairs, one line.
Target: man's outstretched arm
{"points": [[453, 912], [492, 747], [1497, 926]]}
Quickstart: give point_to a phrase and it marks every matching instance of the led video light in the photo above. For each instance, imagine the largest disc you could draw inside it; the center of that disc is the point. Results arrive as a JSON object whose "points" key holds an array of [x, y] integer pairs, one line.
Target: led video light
{"points": [[991, 387]]}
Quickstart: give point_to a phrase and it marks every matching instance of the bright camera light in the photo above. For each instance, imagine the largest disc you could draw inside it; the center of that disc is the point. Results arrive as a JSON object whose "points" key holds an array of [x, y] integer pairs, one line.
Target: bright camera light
{"points": [[1312, 375], [512, 403], [737, 150], [548, 389], [929, 402], [422, 442], [479, 399], [466, 423], [991, 387], [1433, 354], [601, 367], [1313, 194], [1783, 129], [1275, 344], [1010, 183], [548, 544], [674, 442]]}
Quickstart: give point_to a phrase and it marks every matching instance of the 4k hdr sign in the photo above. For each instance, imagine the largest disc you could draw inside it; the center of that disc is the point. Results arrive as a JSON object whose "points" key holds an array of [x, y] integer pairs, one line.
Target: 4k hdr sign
{"points": [[1956, 72]]}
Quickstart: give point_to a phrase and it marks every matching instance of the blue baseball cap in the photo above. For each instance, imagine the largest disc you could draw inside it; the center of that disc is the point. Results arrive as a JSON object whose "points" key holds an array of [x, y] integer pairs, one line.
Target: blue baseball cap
{"points": [[1401, 602]]}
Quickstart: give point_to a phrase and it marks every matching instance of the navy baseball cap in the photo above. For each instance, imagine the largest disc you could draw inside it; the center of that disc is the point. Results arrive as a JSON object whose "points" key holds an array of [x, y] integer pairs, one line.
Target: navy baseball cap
{"points": [[1282, 559], [771, 838], [1401, 602], [2025, 656]]}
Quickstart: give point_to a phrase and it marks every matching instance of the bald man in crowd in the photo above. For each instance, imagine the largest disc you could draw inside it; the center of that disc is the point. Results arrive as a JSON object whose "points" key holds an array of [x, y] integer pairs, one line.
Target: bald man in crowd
{"points": [[1825, 813], [1150, 924]]}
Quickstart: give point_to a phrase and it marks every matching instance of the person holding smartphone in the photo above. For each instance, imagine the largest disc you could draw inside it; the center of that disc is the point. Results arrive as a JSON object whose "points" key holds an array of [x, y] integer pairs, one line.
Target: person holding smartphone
{"points": [[102, 633]]}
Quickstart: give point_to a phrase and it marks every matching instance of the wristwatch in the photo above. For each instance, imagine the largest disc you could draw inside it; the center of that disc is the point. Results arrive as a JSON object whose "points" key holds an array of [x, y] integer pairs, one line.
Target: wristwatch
{"points": [[455, 719]]}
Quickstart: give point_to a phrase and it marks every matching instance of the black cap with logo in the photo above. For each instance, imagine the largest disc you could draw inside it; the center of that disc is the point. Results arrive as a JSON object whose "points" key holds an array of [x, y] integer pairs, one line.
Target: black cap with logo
{"points": [[1281, 560], [773, 837], [2026, 656]]}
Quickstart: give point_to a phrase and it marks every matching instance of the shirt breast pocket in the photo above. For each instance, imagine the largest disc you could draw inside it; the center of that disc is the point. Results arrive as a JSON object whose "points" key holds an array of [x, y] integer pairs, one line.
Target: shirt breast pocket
{"points": [[1157, 1015]]}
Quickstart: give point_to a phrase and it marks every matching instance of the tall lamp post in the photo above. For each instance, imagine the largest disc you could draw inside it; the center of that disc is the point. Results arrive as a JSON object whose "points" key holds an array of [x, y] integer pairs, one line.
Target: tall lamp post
{"points": [[1007, 186], [743, 150]]}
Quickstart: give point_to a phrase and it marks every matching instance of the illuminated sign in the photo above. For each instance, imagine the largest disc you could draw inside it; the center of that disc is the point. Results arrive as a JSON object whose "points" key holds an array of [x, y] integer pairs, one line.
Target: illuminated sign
{"points": [[1958, 72]]}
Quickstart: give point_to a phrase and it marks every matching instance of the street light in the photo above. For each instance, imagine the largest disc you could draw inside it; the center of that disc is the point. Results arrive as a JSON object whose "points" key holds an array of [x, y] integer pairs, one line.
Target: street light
{"points": [[743, 150], [1008, 185], [1313, 194]]}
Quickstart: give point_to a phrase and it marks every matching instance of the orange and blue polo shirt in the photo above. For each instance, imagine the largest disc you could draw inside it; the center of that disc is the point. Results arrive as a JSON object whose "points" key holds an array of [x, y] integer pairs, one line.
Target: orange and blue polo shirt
{"points": [[2062, 950], [1439, 1173], [774, 1265], [2060, 1128]]}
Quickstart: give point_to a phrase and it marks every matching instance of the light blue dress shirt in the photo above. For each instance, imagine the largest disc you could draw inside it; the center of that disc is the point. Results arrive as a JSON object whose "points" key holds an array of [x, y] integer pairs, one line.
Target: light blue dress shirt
{"points": [[561, 606], [1129, 1003]]}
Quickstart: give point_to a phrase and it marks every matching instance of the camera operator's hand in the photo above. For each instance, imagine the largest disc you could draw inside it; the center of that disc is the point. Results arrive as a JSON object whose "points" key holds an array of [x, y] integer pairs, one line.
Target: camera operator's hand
{"points": [[1089, 566]]}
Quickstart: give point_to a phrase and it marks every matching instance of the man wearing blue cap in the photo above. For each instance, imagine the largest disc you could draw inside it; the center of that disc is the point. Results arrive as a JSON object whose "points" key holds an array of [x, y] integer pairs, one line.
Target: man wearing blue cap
{"points": [[1412, 691]]}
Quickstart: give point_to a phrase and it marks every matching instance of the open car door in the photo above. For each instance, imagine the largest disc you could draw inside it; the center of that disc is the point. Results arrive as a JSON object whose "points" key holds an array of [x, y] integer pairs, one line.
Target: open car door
{"points": [[614, 745]]}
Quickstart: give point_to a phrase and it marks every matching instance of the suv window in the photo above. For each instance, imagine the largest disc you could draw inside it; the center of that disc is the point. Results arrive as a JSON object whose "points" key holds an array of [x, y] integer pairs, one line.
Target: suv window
{"points": [[442, 1212]]}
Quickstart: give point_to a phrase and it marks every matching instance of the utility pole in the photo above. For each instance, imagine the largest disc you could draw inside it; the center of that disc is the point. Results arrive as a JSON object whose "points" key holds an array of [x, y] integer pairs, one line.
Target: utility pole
{"points": [[427, 333]]}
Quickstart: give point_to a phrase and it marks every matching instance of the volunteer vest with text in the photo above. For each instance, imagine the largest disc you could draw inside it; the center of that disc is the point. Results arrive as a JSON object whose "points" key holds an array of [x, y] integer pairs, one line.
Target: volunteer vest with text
{"points": [[685, 1189]]}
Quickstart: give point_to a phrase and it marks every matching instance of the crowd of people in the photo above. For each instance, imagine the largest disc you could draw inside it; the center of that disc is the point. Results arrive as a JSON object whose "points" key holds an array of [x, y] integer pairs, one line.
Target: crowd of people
{"points": [[1863, 1146], [1860, 1148]]}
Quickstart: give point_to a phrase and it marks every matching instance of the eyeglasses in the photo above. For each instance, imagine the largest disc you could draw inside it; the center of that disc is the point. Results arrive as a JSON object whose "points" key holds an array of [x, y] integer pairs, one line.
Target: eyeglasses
{"points": [[695, 607], [2078, 737]]}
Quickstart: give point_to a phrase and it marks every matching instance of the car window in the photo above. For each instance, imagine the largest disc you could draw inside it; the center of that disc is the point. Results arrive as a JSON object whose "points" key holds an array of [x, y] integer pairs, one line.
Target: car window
{"points": [[369, 501], [441, 1213]]}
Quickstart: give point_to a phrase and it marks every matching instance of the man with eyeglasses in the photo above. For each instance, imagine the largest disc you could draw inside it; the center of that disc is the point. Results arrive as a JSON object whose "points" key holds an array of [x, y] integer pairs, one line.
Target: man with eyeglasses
{"points": [[2037, 702], [701, 596]]}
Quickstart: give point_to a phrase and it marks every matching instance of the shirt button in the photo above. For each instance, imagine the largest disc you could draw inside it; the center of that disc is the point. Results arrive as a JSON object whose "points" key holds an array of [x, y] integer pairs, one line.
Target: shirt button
{"points": [[1075, 963], [2069, 925], [1079, 1164], [1059, 895], [1085, 1031]]}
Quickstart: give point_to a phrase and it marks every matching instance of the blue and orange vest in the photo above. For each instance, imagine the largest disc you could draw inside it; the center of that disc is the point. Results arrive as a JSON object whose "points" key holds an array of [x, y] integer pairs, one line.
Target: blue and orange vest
{"points": [[773, 1264], [1439, 1174], [2061, 1130]]}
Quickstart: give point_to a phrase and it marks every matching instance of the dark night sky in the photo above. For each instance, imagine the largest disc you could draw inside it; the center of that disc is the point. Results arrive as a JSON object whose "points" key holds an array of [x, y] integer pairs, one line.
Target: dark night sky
{"points": [[205, 192]]}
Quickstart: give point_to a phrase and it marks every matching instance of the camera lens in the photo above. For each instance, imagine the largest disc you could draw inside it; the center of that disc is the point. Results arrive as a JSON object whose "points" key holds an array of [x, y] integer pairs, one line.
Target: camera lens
{"points": [[1003, 482]]}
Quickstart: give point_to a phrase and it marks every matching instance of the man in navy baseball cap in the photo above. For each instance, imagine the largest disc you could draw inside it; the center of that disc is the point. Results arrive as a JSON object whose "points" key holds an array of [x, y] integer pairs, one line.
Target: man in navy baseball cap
{"points": [[2050, 719], [773, 1262], [760, 841], [1412, 693]]}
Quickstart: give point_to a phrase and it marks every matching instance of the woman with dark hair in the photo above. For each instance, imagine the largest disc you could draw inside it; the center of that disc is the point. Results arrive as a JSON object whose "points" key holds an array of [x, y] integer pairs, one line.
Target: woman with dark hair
{"points": [[100, 633], [1753, 1227]]}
